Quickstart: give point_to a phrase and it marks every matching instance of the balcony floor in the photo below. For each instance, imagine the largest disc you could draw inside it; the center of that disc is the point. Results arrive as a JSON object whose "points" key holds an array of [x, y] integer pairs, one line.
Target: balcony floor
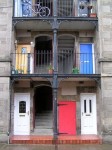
{"points": [[71, 23]]}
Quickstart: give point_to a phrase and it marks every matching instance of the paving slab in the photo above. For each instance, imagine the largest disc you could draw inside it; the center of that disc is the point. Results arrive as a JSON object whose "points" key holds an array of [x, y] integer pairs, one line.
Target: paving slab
{"points": [[55, 147]]}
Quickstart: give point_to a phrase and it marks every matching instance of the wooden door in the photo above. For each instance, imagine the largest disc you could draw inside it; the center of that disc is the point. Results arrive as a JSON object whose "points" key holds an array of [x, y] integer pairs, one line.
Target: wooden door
{"points": [[67, 117], [22, 58], [86, 59]]}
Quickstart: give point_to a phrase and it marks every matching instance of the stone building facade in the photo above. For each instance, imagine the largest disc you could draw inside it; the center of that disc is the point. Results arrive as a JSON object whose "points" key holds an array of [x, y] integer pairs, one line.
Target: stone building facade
{"points": [[30, 42], [5, 61]]}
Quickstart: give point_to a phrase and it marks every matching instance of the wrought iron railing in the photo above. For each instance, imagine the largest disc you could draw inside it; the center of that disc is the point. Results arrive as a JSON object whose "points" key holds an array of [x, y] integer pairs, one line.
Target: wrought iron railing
{"points": [[44, 8], [66, 8], [27, 8], [42, 62]]}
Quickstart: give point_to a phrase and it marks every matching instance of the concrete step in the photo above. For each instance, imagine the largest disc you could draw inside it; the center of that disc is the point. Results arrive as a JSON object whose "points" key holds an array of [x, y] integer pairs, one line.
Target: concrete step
{"points": [[43, 132], [43, 124], [43, 127]]}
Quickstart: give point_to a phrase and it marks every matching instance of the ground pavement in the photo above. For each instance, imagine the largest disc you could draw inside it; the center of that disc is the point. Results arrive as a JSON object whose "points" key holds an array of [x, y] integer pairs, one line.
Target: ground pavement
{"points": [[53, 147]]}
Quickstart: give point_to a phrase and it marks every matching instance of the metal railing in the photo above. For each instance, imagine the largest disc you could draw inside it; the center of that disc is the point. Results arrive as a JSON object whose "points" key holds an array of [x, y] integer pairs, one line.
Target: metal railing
{"points": [[42, 61], [66, 8], [44, 8]]}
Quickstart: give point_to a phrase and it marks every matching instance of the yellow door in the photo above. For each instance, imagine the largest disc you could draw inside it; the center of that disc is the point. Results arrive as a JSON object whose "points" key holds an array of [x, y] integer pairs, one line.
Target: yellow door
{"points": [[22, 58]]}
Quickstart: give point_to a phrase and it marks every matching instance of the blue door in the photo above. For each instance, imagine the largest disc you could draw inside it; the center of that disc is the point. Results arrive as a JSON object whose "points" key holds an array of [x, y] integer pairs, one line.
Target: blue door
{"points": [[86, 59], [83, 9]]}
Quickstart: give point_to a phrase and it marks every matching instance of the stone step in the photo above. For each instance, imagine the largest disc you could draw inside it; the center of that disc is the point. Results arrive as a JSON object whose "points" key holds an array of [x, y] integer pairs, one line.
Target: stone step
{"points": [[44, 117], [43, 124], [43, 127], [43, 132], [67, 139]]}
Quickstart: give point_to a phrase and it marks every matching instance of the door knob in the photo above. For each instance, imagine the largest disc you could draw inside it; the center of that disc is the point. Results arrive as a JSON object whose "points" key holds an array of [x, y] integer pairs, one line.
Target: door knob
{"points": [[28, 112]]}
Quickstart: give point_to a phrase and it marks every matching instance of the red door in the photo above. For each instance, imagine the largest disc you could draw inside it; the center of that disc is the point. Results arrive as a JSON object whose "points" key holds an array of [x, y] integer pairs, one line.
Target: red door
{"points": [[67, 117]]}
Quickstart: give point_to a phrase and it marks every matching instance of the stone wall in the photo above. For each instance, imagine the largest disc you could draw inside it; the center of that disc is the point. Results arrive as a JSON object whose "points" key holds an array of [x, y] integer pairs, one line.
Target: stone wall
{"points": [[105, 35], [4, 108], [5, 48]]}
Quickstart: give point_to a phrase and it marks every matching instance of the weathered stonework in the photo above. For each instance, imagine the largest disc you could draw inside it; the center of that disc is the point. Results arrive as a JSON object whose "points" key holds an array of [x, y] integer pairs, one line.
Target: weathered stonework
{"points": [[4, 107], [5, 48]]}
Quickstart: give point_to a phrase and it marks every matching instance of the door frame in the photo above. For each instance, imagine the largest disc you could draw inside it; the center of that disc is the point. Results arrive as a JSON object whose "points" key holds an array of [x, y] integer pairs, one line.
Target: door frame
{"points": [[29, 108], [86, 94], [92, 54]]}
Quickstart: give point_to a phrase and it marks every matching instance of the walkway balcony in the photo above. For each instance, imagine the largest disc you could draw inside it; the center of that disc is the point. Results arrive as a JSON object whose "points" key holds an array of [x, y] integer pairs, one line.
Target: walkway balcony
{"points": [[41, 62], [65, 8]]}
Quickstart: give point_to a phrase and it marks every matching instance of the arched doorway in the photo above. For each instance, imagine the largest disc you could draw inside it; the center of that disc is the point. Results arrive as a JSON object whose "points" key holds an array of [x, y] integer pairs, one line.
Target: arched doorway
{"points": [[43, 53], [43, 110]]}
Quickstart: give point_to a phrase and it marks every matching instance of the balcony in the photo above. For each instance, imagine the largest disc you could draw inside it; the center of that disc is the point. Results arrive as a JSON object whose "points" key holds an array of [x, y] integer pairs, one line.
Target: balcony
{"points": [[65, 8], [42, 61]]}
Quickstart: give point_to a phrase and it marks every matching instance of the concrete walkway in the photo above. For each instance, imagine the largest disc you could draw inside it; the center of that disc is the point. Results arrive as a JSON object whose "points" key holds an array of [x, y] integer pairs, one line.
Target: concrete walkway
{"points": [[52, 147]]}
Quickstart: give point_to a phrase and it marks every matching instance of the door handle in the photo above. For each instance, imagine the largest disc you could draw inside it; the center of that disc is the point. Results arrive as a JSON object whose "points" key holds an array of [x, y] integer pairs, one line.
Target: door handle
{"points": [[28, 113], [82, 113]]}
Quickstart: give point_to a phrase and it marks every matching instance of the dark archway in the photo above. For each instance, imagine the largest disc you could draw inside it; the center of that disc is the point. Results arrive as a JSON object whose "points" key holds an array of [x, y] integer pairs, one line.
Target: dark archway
{"points": [[43, 53], [43, 119], [43, 99]]}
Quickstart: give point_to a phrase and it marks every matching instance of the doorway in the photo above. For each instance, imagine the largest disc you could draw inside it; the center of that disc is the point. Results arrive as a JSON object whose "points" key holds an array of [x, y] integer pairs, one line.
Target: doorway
{"points": [[88, 113], [83, 9], [86, 59], [21, 113], [43, 110], [67, 117], [43, 53]]}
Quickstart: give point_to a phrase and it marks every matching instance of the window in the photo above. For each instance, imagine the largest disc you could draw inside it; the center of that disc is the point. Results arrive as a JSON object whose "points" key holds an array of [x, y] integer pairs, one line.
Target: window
{"points": [[22, 107]]}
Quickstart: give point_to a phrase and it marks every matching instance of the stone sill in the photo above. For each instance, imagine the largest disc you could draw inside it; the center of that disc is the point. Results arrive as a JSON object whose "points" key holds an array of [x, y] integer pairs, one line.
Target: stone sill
{"points": [[106, 74], [105, 59]]}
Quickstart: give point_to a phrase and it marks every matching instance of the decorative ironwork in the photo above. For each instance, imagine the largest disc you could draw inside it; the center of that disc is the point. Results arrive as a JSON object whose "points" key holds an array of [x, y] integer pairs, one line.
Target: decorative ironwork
{"points": [[98, 81], [34, 10], [68, 62]]}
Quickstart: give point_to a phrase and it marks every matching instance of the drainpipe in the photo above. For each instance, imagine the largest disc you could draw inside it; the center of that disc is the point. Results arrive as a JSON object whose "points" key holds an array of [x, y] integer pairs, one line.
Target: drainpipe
{"points": [[9, 126]]}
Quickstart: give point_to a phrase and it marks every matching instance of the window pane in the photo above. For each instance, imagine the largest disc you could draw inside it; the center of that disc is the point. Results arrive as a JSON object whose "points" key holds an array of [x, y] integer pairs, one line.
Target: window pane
{"points": [[90, 107], [22, 107], [84, 106]]}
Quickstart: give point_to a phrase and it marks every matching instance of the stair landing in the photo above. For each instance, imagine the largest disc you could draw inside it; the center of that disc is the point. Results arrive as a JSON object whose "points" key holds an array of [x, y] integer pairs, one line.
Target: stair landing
{"points": [[79, 139]]}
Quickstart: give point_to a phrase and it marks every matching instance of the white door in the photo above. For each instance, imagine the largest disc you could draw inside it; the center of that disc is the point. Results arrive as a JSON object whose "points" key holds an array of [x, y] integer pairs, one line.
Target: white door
{"points": [[22, 114], [88, 114]]}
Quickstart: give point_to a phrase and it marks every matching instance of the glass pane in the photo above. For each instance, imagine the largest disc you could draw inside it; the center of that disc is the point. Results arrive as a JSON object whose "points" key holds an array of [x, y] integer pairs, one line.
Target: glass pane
{"points": [[84, 106], [90, 107], [22, 107]]}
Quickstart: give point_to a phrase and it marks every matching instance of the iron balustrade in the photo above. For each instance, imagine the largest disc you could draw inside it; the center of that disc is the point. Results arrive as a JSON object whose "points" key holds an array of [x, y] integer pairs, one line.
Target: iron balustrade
{"points": [[44, 8], [42, 60], [66, 8]]}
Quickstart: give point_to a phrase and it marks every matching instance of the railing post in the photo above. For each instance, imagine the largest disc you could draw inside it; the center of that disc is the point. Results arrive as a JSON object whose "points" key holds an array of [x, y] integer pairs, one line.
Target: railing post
{"points": [[55, 80], [28, 71], [55, 56], [54, 8], [55, 130], [55, 26]]}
